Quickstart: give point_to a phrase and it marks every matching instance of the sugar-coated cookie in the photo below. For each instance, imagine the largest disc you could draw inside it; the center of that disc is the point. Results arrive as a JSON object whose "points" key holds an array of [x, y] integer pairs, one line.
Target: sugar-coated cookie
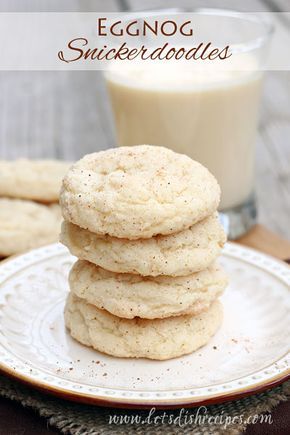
{"points": [[158, 339], [129, 296], [38, 180], [177, 254], [25, 225], [138, 192]]}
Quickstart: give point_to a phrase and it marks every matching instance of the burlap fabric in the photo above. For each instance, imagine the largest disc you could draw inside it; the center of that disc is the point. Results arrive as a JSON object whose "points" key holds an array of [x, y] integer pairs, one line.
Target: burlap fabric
{"points": [[78, 419]]}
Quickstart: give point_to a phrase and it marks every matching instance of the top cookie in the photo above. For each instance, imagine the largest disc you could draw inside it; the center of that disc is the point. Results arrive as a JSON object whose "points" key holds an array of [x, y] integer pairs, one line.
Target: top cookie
{"points": [[138, 192], [38, 180]]}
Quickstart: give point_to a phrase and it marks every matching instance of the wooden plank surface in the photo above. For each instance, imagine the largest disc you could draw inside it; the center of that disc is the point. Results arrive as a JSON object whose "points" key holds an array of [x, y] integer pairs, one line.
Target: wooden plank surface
{"points": [[278, 5], [67, 114], [238, 5], [273, 154], [60, 5], [264, 240]]}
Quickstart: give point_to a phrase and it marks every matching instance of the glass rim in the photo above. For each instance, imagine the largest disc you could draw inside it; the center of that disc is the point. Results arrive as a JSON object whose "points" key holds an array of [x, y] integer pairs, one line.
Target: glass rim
{"points": [[251, 17]]}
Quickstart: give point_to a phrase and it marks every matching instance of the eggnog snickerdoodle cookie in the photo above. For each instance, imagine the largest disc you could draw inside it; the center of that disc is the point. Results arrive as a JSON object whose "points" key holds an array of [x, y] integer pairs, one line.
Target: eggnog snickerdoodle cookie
{"points": [[129, 296], [138, 192], [25, 225], [177, 254], [38, 180], [158, 339]]}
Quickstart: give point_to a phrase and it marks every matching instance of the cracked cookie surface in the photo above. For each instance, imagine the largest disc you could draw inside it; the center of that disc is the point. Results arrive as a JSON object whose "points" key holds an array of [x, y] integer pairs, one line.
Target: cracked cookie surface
{"points": [[38, 180], [177, 254], [138, 192], [128, 296], [158, 339], [26, 224]]}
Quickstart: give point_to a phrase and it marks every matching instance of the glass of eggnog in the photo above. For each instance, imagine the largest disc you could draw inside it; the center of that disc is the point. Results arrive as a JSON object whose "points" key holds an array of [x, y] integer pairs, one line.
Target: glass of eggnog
{"points": [[205, 105]]}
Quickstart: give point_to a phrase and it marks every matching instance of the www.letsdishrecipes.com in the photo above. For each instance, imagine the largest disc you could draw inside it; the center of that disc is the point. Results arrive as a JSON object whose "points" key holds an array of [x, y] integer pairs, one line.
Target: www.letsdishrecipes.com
{"points": [[186, 418]]}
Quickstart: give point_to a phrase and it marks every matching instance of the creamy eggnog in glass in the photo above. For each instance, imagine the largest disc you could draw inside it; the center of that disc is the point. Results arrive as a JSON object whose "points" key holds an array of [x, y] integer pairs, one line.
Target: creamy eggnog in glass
{"points": [[209, 113]]}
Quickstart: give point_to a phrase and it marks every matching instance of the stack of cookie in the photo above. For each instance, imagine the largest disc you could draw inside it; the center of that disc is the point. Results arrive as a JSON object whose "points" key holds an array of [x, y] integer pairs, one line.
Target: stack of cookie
{"points": [[143, 223], [29, 214]]}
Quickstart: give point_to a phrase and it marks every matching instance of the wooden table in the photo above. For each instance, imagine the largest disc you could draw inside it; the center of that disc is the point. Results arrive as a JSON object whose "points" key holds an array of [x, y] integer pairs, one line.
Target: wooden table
{"points": [[67, 114]]}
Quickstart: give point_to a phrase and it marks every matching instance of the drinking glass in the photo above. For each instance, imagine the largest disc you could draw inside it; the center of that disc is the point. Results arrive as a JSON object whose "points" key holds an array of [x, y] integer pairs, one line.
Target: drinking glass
{"points": [[208, 113]]}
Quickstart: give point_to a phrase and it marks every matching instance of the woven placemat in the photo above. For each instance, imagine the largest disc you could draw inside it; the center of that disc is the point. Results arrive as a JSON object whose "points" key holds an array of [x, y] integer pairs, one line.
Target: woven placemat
{"points": [[78, 419]]}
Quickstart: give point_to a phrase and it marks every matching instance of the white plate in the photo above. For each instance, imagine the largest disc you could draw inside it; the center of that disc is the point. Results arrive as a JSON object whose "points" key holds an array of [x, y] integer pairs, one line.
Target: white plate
{"points": [[248, 354]]}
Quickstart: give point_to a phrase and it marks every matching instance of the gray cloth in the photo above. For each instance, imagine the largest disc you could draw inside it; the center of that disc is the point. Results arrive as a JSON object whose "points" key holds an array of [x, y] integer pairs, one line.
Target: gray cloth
{"points": [[79, 419]]}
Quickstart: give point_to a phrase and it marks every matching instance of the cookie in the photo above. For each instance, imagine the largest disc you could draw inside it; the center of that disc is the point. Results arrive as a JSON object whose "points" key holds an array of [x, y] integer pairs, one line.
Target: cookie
{"points": [[129, 296], [38, 180], [158, 339], [25, 225], [138, 192], [177, 254]]}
